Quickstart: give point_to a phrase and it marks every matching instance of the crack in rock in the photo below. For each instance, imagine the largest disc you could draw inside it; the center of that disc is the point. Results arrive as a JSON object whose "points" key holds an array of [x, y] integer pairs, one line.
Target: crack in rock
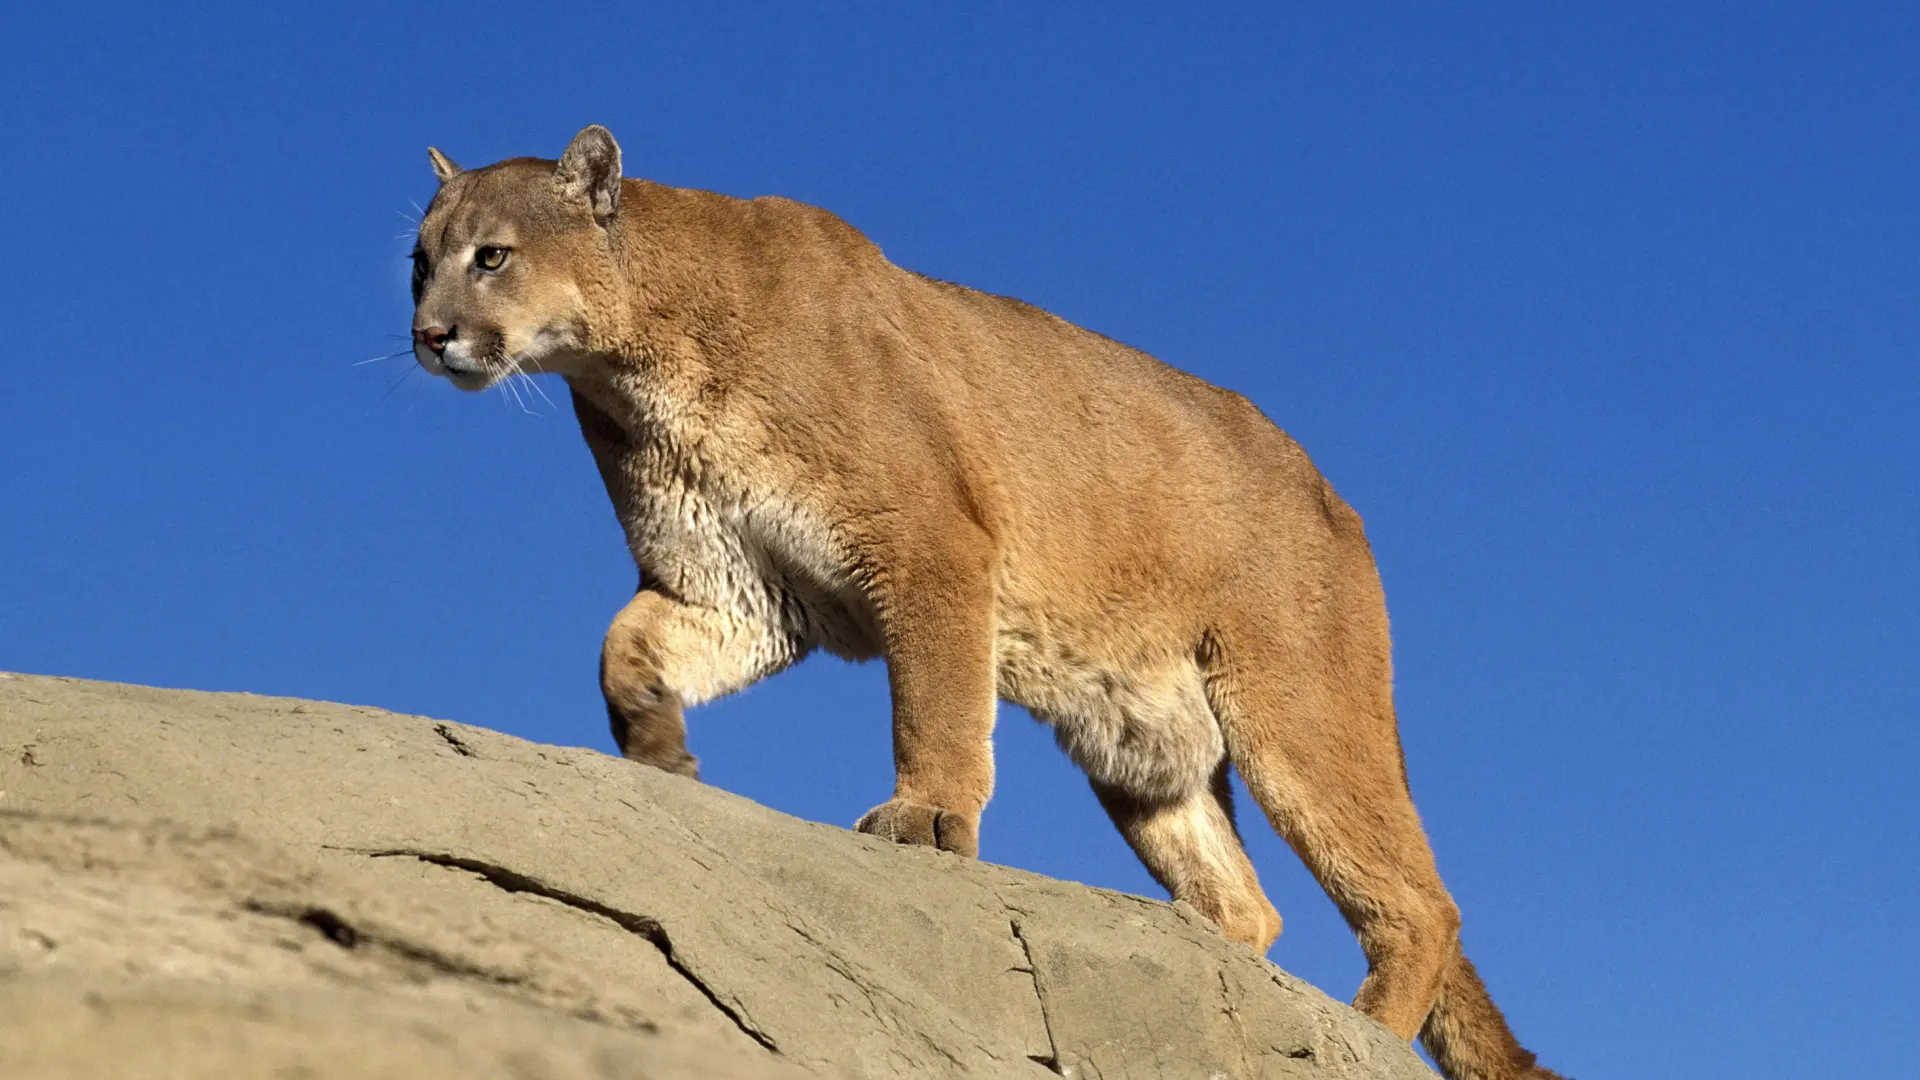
{"points": [[336, 929], [348, 936], [839, 965], [445, 731], [1052, 1058], [642, 926], [1233, 1017]]}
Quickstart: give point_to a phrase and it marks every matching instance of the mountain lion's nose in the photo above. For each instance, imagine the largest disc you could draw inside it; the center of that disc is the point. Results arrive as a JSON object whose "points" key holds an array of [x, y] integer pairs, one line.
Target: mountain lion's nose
{"points": [[433, 337]]}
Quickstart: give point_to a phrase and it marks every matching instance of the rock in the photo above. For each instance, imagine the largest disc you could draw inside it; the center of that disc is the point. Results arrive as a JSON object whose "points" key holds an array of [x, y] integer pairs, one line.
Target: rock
{"points": [[226, 884]]}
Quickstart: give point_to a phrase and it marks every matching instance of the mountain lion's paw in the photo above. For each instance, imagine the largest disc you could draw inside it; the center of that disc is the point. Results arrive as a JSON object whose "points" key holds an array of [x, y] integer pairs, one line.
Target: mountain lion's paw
{"points": [[905, 822]]}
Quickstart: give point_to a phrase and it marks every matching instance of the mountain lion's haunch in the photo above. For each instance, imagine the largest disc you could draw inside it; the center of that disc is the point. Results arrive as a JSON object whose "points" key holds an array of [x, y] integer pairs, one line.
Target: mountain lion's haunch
{"points": [[810, 447]]}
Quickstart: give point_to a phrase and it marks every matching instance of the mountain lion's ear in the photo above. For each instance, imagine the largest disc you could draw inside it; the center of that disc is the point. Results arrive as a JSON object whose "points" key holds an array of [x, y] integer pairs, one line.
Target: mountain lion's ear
{"points": [[590, 170], [442, 167]]}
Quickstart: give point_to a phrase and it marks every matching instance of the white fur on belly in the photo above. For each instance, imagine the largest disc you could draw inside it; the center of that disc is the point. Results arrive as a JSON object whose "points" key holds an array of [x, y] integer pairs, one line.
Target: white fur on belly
{"points": [[1147, 732]]}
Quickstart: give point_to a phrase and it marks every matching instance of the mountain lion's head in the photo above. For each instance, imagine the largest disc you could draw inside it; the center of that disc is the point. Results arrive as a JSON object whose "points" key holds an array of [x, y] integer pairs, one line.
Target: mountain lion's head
{"points": [[509, 260]]}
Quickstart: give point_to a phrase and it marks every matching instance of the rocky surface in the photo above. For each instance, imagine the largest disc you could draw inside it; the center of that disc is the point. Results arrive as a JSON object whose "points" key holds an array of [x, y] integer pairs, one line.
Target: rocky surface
{"points": [[229, 885]]}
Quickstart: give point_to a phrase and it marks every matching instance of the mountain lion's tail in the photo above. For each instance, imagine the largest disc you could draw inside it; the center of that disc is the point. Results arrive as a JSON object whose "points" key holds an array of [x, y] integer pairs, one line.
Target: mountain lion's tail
{"points": [[1468, 1037]]}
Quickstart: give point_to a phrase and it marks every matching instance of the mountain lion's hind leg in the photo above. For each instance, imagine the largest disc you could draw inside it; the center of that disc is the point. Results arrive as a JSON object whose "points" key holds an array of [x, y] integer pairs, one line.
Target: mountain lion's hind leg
{"points": [[1193, 850], [661, 654], [1309, 724]]}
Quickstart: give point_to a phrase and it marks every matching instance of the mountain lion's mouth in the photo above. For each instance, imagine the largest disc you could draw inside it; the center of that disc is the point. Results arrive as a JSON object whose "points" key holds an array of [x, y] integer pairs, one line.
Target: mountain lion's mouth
{"points": [[466, 374]]}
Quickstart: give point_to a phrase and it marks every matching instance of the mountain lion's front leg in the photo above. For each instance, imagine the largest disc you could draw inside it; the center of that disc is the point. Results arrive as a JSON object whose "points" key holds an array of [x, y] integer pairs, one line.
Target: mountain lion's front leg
{"points": [[662, 654], [937, 627]]}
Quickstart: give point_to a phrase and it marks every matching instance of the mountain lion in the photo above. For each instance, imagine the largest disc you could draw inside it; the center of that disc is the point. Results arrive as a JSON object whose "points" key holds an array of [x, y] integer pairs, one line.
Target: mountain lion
{"points": [[810, 447]]}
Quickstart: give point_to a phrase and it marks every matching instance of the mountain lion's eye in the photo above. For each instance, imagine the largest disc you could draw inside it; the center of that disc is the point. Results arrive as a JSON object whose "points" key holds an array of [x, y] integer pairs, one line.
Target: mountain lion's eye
{"points": [[490, 258]]}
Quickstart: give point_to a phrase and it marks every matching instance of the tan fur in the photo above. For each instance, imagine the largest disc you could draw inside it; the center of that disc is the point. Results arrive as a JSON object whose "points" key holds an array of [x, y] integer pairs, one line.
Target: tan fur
{"points": [[811, 448]]}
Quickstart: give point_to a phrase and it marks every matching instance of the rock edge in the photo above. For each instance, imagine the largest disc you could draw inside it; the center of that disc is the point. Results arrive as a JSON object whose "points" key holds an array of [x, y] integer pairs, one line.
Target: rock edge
{"points": [[229, 884]]}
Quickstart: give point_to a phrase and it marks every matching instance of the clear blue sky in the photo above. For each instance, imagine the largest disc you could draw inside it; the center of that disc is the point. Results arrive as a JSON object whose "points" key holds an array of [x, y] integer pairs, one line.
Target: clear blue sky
{"points": [[1605, 318]]}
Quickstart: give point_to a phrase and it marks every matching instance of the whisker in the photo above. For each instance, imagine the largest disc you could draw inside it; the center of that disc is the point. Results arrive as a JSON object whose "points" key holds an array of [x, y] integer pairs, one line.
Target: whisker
{"points": [[395, 384], [512, 379], [519, 369], [498, 358], [505, 383], [377, 359], [531, 381]]}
